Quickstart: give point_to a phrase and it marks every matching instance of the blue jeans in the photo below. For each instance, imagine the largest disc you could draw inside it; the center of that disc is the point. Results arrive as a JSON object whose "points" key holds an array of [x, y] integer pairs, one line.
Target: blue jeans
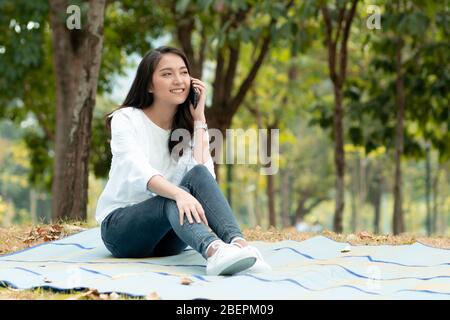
{"points": [[152, 227]]}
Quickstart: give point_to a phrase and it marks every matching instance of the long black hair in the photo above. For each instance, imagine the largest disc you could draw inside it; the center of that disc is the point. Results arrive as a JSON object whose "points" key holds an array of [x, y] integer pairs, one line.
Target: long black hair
{"points": [[139, 97]]}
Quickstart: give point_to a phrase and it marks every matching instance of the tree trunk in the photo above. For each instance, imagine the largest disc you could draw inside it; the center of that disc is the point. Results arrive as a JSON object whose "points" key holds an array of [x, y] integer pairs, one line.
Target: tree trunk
{"points": [[428, 189], [229, 189], [285, 198], [77, 56], [374, 196], [251, 208], [398, 223], [337, 66], [444, 190], [256, 206], [377, 206], [229, 150], [339, 160], [270, 183], [33, 205], [355, 187], [271, 201], [435, 186], [300, 212]]}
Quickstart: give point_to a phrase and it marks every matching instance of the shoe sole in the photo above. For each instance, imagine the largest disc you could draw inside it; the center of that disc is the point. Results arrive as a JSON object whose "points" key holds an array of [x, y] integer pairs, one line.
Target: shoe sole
{"points": [[239, 266]]}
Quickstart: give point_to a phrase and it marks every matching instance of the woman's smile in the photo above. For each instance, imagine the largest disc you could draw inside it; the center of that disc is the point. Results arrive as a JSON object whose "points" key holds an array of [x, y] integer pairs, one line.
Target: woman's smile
{"points": [[177, 91]]}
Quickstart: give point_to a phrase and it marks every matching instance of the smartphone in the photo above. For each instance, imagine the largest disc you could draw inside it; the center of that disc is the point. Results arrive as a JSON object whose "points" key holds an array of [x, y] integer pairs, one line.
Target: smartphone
{"points": [[193, 96]]}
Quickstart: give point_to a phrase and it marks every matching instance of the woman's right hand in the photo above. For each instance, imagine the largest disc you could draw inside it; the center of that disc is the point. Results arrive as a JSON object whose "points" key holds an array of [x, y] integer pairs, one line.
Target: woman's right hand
{"points": [[189, 206]]}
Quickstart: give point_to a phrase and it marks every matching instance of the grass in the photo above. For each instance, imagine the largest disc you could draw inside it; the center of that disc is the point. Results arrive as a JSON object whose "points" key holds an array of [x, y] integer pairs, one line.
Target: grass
{"points": [[19, 237], [361, 238]]}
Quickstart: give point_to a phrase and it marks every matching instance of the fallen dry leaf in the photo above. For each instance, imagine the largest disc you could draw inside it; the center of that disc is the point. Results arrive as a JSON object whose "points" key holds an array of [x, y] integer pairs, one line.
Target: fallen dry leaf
{"points": [[365, 235], [91, 294], [186, 281], [55, 228], [47, 280], [153, 296], [45, 233]]}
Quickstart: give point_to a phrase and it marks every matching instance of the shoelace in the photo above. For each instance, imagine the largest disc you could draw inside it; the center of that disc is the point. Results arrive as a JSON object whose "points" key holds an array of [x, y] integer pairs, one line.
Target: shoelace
{"points": [[219, 252], [237, 244], [216, 245], [234, 241]]}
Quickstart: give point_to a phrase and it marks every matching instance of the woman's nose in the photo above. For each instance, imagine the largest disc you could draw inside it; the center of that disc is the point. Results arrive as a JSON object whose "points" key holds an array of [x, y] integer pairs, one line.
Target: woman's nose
{"points": [[177, 79]]}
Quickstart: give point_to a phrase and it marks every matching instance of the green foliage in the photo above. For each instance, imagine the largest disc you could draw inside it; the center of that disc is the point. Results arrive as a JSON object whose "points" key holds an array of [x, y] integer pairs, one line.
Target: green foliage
{"points": [[302, 107], [21, 41]]}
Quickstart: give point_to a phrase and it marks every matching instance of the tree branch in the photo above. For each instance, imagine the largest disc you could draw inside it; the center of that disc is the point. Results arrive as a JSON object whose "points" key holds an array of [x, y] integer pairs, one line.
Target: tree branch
{"points": [[339, 23], [231, 70], [218, 80], [331, 44], [328, 24], [314, 204], [184, 27], [217, 99], [343, 48], [245, 86], [201, 56]]}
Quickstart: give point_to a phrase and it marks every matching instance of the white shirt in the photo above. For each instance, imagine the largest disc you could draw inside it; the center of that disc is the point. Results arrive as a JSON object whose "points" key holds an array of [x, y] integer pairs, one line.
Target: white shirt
{"points": [[140, 151]]}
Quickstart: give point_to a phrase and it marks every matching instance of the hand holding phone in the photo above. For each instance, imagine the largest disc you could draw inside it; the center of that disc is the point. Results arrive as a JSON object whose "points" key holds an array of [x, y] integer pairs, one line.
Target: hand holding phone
{"points": [[193, 96]]}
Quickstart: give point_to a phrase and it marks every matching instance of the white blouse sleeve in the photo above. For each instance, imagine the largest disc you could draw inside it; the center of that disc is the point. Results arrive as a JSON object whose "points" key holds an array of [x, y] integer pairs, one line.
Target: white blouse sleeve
{"points": [[135, 168]]}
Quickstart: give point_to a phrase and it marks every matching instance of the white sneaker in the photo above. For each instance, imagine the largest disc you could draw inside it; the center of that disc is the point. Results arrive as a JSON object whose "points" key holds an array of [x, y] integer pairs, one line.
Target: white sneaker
{"points": [[260, 265], [228, 260]]}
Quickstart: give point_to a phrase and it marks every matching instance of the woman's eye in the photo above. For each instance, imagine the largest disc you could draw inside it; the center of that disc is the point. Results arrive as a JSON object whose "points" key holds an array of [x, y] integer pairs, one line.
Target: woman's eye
{"points": [[185, 72], [166, 74]]}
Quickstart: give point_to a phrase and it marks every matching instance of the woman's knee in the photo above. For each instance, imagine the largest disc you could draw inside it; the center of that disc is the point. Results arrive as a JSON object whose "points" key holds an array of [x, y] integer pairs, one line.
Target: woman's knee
{"points": [[199, 170], [198, 174]]}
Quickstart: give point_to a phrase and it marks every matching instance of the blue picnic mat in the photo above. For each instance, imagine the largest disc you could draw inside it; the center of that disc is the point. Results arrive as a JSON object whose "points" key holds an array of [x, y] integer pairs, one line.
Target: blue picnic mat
{"points": [[312, 269]]}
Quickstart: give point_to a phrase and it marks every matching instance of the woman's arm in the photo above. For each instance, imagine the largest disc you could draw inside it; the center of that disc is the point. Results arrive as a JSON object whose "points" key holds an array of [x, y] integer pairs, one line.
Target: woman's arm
{"points": [[186, 203], [159, 185], [201, 144], [201, 154]]}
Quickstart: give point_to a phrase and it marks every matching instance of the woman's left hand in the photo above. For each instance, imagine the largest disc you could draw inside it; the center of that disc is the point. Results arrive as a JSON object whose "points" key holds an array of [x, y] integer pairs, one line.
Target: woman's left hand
{"points": [[199, 113]]}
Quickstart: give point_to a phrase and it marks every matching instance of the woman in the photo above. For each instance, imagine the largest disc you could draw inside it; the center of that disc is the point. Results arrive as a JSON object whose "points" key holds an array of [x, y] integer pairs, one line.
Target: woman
{"points": [[155, 203]]}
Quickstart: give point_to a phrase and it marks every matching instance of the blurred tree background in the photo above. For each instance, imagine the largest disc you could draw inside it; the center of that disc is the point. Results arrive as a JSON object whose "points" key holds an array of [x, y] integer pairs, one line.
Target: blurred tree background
{"points": [[359, 91]]}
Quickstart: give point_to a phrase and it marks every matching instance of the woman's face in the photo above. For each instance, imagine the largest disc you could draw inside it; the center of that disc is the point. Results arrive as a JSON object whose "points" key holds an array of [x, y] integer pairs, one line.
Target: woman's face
{"points": [[171, 80]]}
